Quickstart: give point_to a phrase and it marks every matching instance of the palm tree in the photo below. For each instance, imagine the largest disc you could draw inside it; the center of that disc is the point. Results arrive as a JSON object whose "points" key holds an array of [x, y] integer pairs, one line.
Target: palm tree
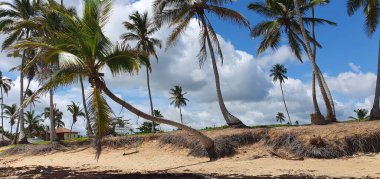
{"points": [[281, 15], [88, 51], [29, 93], [371, 11], [141, 29], [179, 13], [57, 117], [5, 86], [280, 117], [278, 72], [361, 115], [14, 22], [178, 99], [9, 112], [316, 118], [33, 121], [157, 113], [76, 111]]}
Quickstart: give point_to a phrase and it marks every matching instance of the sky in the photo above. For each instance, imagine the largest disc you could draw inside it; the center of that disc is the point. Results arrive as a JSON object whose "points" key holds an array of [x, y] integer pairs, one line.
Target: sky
{"points": [[348, 60]]}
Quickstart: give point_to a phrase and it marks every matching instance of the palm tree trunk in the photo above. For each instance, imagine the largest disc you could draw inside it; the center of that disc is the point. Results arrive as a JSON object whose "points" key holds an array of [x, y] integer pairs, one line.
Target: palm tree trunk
{"points": [[2, 117], [53, 134], [231, 120], [207, 142], [89, 131], [16, 134], [180, 113], [375, 111], [150, 97], [11, 129], [313, 87], [71, 128], [316, 118], [22, 137], [283, 98]]}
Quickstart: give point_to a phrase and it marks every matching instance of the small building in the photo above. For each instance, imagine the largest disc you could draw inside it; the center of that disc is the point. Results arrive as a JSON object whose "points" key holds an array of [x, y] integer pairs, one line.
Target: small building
{"points": [[63, 134]]}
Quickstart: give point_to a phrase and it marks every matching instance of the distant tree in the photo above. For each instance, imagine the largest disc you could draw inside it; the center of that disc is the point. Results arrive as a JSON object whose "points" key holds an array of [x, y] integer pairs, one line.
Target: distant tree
{"points": [[361, 115], [9, 112], [146, 127], [5, 86], [33, 122], [278, 72], [280, 117], [156, 113], [297, 123], [76, 112], [29, 93], [58, 115], [178, 99]]}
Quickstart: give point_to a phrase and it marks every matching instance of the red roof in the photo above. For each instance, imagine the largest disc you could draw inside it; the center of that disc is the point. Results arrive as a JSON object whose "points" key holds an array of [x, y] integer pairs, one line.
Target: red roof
{"points": [[63, 130]]}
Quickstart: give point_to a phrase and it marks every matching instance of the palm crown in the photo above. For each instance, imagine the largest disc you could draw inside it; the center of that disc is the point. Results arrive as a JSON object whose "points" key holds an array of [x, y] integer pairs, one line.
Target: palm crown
{"points": [[5, 83], [278, 72], [370, 9], [282, 20], [178, 97]]}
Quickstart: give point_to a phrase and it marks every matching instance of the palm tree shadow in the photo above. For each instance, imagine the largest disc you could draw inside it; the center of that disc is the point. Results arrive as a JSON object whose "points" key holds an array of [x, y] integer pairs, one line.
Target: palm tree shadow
{"points": [[182, 166]]}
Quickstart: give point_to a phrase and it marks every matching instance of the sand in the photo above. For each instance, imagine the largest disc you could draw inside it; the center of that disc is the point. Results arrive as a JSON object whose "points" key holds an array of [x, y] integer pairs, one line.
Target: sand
{"points": [[153, 158]]}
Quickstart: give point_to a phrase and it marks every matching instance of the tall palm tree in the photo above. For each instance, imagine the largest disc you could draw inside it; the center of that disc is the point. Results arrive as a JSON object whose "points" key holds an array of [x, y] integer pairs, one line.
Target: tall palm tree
{"points": [[372, 16], [15, 24], [278, 72], [33, 121], [178, 99], [10, 112], [141, 29], [87, 52], [280, 117], [75, 111], [282, 20], [5, 86], [57, 117], [179, 13]]}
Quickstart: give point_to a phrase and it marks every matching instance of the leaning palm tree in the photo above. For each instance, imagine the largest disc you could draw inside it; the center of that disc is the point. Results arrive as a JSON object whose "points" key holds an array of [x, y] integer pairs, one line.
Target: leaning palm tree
{"points": [[141, 29], [316, 118], [280, 117], [179, 14], [178, 99], [278, 72], [15, 24], [33, 122], [76, 112], [87, 52], [372, 16], [5, 86], [9, 112], [281, 20]]}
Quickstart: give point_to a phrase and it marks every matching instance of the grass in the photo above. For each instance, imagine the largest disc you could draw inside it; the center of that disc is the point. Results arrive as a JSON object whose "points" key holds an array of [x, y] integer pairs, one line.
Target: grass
{"points": [[214, 128], [270, 126], [2, 149], [81, 139]]}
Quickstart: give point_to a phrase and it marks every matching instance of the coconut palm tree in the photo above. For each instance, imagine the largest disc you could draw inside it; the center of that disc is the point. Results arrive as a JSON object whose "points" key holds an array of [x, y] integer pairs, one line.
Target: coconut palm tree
{"points": [[87, 51], [178, 99], [361, 115], [57, 116], [372, 16], [278, 72], [179, 14], [76, 112], [33, 122], [5, 86], [9, 112], [15, 24], [281, 20], [280, 117], [141, 29], [316, 118], [29, 93]]}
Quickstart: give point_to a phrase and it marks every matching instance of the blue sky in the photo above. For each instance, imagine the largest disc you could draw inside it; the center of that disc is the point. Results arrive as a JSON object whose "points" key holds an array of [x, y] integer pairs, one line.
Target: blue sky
{"points": [[248, 90]]}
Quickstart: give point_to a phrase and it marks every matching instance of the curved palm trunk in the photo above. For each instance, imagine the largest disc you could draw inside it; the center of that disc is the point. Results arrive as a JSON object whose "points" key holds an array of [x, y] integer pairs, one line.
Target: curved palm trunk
{"points": [[53, 134], [316, 118], [207, 142], [89, 131], [150, 97], [180, 113], [283, 98], [2, 117], [231, 120], [375, 111]]}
